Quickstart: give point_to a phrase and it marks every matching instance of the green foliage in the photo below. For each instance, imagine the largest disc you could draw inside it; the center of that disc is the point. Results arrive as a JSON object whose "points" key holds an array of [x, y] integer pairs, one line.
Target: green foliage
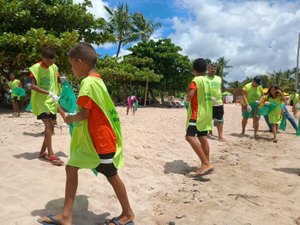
{"points": [[122, 76], [167, 61], [28, 25]]}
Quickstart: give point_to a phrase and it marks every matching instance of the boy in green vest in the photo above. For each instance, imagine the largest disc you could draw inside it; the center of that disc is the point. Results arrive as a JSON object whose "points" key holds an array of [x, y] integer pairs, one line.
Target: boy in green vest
{"points": [[96, 139], [199, 116], [15, 100], [44, 99]]}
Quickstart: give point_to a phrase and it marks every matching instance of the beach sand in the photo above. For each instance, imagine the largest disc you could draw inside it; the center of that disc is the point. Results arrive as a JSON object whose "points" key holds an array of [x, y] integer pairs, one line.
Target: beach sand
{"points": [[255, 182]]}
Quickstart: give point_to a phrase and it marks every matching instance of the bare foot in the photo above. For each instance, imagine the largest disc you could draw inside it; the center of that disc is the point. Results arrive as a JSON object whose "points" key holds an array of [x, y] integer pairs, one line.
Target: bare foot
{"points": [[221, 139], [275, 140], [203, 170]]}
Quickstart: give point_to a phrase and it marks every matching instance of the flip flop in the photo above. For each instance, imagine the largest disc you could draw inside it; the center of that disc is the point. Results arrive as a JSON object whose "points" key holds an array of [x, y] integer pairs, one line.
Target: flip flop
{"points": [[55, 160], [202, 173], [116, 222], [53, 221]]}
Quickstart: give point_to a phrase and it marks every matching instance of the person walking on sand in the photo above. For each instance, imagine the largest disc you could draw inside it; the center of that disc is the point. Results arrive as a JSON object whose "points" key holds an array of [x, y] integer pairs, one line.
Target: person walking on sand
{"points": [[216, 92], [252, 94], [15, 100], [96, 141], [275, 95], [44, 99], [199, 116], [132, 104], [295, 103]]}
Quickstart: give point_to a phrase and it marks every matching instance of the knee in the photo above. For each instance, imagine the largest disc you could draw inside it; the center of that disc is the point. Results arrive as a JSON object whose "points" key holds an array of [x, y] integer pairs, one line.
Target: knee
{"points": [[188, 138]]}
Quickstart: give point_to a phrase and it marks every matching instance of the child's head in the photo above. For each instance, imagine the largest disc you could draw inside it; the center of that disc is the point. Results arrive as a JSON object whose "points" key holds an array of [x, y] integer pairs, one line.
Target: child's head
{"points": [[12, 76], [212, 69], [199, 66], [48, 55], [83, 58], [273, 91]]}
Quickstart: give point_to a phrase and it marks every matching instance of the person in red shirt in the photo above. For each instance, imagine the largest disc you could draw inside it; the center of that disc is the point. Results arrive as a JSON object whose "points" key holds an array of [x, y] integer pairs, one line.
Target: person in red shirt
{"points": [[83, 60], [200, 144]]}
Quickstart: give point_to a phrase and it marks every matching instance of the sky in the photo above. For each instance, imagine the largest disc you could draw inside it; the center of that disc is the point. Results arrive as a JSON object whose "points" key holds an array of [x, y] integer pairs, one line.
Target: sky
{"points": [[257, 37]]}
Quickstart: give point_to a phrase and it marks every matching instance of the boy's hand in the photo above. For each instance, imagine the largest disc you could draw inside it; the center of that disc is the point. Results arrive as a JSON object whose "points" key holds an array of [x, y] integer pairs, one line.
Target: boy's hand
{"points": [[249, 109], [68, 120], [53, 96], [267, 103]]}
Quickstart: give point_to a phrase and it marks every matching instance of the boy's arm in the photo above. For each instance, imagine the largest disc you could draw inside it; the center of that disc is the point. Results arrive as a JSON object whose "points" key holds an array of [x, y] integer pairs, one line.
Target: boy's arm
{"points": [[36, 88], [245, 97], [190, 95], [83, 114]]}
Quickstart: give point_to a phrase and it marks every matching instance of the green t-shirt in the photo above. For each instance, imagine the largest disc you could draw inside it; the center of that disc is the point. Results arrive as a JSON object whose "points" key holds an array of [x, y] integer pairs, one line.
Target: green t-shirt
{"points": [[276, 115], [82, 152], [295, 98], [215, 87], [253, 93], [204, 114], [46, 79], [14, 84]]}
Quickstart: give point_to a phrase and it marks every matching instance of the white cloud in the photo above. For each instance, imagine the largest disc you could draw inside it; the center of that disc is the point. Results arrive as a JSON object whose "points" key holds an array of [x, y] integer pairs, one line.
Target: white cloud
{"points": [[98, 8], [257, 36]]}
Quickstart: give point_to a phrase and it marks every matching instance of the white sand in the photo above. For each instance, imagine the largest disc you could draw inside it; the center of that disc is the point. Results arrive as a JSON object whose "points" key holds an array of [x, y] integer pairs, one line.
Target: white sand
{"points": [[255, 182]]}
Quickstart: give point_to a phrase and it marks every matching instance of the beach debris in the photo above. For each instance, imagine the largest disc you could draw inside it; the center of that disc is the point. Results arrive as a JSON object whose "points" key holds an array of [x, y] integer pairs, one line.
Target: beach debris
{"points": [[170, 223], [180, 217], [246, 197], [297, 221]]}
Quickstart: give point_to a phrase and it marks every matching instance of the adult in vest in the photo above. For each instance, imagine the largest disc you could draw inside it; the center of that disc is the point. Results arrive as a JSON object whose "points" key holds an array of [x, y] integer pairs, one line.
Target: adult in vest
{"points": [[216, 92], [44, 90], [252, 93], [15, 100], [199, 116]]}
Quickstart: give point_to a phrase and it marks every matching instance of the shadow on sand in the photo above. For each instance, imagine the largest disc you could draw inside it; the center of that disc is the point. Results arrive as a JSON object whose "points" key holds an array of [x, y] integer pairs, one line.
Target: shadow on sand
{"points": [[181, 167], [34, 155], [81, 215], [289, 170]]}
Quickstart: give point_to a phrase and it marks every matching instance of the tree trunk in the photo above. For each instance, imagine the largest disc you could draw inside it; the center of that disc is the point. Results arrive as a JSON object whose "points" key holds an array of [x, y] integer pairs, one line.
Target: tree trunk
{"points": [[146, 92], [119, 48]]}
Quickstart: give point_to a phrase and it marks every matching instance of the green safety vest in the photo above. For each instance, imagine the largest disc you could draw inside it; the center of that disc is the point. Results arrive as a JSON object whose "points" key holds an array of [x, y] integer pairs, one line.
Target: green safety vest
{"points": [[14, 84], [204, 115], [47, 80], [82, 152], [253, 93], [215, 87]]}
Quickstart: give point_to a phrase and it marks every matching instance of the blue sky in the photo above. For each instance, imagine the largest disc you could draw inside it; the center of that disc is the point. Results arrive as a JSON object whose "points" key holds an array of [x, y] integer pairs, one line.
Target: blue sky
{"points": [[256, 36]]}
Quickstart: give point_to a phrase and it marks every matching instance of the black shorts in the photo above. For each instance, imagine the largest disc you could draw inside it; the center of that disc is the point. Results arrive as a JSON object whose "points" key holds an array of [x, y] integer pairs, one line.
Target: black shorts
{"points": [[106, 167], [192, 130], [218, 112], [47, 115]]}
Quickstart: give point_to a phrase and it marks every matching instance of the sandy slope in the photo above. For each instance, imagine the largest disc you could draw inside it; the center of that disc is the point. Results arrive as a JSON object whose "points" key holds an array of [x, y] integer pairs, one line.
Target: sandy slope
{"points": [[255, 182]]}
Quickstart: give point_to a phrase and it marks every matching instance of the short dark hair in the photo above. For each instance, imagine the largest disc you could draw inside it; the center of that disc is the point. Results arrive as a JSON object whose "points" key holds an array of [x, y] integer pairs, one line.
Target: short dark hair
{"points": [[85, 52], [276, 88], [48, 52], [200, 65]]}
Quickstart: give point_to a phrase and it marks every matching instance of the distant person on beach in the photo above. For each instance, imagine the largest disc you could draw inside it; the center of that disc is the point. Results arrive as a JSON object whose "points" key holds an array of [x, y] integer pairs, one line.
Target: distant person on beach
{"points": [[252, 94], [96, 141], [294, 100], [216, 92], [276, 96], [199, 116], [15, 100], [132, 104], [44, 99]]}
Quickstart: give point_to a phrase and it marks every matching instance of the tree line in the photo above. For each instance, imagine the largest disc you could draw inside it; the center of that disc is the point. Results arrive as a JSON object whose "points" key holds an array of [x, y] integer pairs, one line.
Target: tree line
{"points": [[151, 69]]}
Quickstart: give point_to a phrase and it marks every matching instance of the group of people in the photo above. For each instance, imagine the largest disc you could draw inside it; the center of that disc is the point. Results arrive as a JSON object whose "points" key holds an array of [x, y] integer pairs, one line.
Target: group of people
{"points": [[96, 140], [254, 99]]}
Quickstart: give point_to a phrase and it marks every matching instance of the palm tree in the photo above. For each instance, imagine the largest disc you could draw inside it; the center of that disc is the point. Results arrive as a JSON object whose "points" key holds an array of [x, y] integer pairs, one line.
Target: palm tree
{"points": [[142, 28], [222, 64], [120, 24]]}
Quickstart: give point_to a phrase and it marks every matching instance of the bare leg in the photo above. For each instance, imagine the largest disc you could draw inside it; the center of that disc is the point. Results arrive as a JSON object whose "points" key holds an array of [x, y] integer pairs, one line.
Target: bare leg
{"points": [[220, 131], [244, 123], [127, 214], [65, 218], [255, 124], [197, 147], [127, 110], [274, 130], [205, 146], [48, 135]]}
